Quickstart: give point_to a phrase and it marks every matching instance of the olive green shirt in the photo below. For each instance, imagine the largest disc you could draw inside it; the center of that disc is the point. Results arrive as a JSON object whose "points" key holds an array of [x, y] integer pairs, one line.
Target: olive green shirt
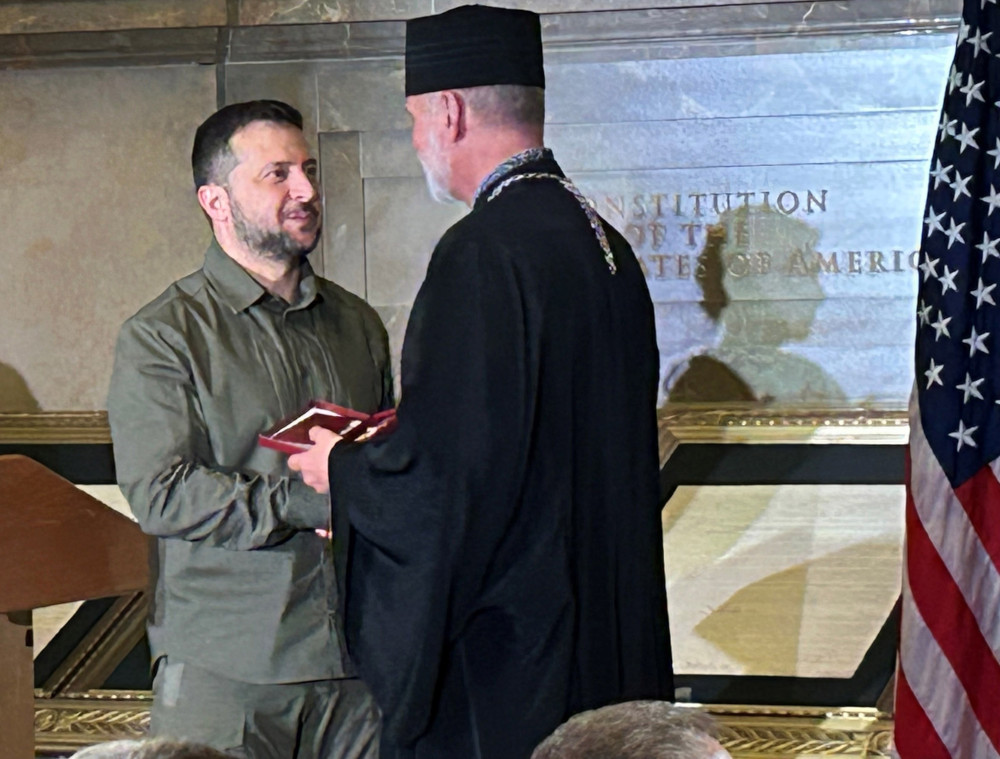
{"points": [[244, 586]]}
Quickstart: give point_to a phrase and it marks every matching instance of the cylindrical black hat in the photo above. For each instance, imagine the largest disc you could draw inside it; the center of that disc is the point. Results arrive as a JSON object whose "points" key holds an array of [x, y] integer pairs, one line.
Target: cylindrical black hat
{"points": [[472, 46]]}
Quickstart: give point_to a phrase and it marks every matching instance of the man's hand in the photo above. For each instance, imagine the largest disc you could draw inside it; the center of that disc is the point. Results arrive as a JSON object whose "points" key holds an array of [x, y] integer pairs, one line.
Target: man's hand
{"points": [[314, 463]]}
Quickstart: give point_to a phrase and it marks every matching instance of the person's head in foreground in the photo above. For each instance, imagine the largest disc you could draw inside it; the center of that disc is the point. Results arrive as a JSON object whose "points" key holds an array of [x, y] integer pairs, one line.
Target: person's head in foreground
{"points": [[149, 749], [635, 730], [475, 89]]}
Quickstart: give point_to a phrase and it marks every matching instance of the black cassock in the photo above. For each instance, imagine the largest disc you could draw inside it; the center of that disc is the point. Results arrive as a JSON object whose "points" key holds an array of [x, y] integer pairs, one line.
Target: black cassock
{"points": [[506, 553]]}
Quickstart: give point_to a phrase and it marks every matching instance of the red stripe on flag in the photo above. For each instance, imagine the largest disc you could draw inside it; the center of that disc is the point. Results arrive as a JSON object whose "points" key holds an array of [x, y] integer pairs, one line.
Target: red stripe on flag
{"points": [[980, 497], [917, 738], [952, 624]]}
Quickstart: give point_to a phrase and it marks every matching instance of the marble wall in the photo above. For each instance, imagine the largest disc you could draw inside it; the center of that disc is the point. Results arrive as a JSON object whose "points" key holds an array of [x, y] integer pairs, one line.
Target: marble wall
{"points": [[767, 160], [98, 217], [772, 186]]}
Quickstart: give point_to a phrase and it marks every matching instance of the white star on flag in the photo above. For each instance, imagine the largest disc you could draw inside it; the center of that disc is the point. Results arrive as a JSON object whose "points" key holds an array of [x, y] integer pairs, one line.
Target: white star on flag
{"points": [[963, 435], [988, 246], [947, 126], [954, 232], [961, 185], [940, 174], [933, 375], [933, 221], [996, 155], [982, 294], [954, 79], [992, 200], [947, 280], [963, 31], [976, 342], [978, 42], [971, 91], [929, 267], [924, 314], [940, 327], [970, 388], [966, 138]]}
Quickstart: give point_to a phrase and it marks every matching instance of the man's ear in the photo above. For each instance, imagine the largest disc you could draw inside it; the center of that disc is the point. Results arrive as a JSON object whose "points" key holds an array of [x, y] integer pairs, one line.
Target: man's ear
{"points": [[214, 200], [455, 110]]}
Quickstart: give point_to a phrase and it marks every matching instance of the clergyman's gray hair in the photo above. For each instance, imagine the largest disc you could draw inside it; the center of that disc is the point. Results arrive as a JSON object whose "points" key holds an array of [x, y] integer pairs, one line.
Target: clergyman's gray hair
{"points": [[149, 749], [507, 105], [634, 730]]}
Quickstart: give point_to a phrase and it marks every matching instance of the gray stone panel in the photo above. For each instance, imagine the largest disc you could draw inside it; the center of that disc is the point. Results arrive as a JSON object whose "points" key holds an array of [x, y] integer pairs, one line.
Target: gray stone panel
{"points": [[293, 83], [704, 144], [343, 211], [132, 47], [101, 215], [389, 154], [39, 16], [756, 141], [254, 12], [395, 319], [317, 41], [402, 225], [361, 96], [843, 82], [576, 6], [855, 215], [725, 20], [832, 352]]}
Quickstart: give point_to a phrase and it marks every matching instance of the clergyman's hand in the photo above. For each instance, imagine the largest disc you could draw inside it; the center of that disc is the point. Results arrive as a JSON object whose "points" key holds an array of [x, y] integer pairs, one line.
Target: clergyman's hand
{"points": [[314, 463]]}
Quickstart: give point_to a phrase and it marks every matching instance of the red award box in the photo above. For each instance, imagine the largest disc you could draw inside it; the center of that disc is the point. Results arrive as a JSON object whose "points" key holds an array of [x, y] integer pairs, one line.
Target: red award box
{"points": [[292, 435]]}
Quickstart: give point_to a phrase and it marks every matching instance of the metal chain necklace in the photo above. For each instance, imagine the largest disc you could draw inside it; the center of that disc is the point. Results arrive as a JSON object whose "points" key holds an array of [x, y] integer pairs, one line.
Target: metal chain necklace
{"points": [[585, 204]]}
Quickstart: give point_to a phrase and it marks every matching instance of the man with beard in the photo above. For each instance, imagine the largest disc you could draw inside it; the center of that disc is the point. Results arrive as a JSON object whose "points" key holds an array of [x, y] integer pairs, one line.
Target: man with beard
{"points": [[506, 568], [246, 638]]}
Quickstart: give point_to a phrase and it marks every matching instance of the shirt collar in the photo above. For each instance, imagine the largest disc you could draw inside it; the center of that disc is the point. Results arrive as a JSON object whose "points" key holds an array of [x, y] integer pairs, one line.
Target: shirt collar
{"points": [[239, 290], [512, 164]]}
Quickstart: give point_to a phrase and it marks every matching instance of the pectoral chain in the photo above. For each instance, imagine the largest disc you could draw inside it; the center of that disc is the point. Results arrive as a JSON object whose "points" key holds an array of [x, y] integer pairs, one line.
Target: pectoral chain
{"points": [[585, 204]]}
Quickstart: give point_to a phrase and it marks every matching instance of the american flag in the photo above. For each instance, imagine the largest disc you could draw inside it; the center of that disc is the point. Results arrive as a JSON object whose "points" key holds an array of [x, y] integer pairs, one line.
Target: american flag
{"points": [[948, 679]]}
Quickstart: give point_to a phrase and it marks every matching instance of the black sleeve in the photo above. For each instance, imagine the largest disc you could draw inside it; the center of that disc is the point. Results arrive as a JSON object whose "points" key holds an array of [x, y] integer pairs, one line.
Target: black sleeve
{"points": [[419, 502]]}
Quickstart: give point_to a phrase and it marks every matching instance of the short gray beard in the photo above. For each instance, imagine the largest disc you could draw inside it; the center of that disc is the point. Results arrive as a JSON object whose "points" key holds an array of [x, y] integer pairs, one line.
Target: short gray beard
{"points": [[437, 174], [270, 244]]}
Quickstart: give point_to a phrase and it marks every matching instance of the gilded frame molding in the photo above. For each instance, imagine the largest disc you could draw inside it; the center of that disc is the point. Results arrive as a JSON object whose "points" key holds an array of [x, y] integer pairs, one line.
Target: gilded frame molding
{"points": [[76, 720], [686, 423], [755, 424], [55, 427]]}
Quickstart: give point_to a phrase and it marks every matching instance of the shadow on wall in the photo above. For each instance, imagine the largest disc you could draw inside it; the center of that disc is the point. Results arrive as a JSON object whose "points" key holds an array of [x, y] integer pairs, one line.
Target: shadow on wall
{"points": [[760, 283], [15, 397]]}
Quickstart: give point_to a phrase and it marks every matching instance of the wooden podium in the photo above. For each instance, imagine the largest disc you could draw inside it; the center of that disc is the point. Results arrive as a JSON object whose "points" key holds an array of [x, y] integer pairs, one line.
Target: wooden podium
{"points": [[57, 545]]}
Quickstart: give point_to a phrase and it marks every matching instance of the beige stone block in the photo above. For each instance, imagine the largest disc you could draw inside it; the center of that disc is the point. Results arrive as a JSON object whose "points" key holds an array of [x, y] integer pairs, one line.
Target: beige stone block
{"points": [[254, 12], [389, 154], [98, 15], [576, 6], [395, 319], [741, 86], [343, 210], [290, 42], [128, 47], [101, 215], [293, 83], [402, 226], [361, 96]]}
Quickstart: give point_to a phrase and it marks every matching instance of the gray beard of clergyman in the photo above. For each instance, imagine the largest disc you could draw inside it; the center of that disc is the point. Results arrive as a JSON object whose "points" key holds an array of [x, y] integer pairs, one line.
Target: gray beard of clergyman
{"points": [[274, 245]]}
